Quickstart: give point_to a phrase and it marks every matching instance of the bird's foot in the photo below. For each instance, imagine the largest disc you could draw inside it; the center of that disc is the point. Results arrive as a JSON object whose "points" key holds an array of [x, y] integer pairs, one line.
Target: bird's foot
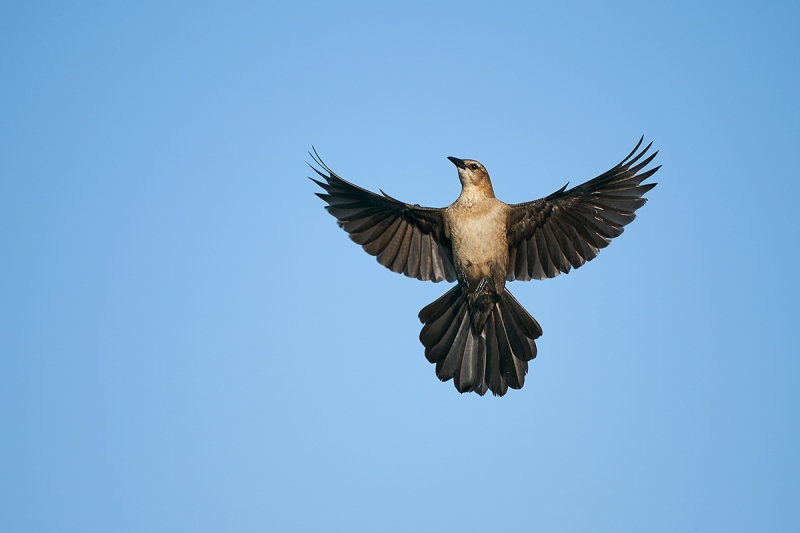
{"points": [[486, 285]]}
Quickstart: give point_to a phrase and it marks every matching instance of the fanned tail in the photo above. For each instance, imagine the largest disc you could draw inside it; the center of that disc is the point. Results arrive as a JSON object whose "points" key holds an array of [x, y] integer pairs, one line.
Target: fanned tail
{"points": [[481, 348]]}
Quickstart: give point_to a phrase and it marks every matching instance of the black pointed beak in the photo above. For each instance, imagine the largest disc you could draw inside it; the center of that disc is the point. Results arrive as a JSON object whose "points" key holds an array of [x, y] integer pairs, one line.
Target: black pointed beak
{"points": [[458, 162]]}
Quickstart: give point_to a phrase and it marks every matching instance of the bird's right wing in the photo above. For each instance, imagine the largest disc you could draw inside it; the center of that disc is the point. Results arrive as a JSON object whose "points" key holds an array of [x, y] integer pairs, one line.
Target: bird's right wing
{"points": [[406, 239]]}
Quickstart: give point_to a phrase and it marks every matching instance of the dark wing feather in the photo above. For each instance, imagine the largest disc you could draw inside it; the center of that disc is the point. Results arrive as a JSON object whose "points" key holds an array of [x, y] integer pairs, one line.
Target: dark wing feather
{"points": [[406, 239], [564, 230]]}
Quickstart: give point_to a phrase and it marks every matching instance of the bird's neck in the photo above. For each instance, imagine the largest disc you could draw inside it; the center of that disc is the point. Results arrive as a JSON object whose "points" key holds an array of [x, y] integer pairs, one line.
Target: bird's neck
{"points": [[472, 193]]}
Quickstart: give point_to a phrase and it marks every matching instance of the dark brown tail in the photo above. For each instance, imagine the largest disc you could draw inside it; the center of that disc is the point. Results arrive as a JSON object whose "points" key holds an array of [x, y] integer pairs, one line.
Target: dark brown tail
{"points": [[493, 358]]}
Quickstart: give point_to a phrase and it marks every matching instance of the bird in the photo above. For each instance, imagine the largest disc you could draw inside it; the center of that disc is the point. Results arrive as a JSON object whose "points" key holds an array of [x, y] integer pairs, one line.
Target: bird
{"points": [[477, 333]]}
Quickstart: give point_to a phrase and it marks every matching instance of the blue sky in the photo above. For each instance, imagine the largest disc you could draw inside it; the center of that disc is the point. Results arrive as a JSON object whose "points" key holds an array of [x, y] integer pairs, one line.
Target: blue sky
{"points": [[188, 342]]}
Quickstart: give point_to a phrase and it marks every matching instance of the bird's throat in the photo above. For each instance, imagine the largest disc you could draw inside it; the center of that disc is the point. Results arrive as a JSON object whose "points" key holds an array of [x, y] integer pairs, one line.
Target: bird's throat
{"points": [[472, 194]]}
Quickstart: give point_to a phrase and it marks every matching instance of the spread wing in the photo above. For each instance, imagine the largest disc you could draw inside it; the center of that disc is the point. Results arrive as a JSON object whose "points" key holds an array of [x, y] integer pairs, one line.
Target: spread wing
{"points": [[406, 239], [564, 230]]}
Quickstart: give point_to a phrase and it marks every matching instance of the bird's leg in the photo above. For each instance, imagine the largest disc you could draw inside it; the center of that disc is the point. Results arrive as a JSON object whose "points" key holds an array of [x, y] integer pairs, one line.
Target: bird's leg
{"points": [[482, 302], [462, 281], [485, 283], [484, 295]]}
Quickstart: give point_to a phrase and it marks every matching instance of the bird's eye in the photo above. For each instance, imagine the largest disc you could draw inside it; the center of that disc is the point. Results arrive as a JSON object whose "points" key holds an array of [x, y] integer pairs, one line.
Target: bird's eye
{"points": [[473, 166]]}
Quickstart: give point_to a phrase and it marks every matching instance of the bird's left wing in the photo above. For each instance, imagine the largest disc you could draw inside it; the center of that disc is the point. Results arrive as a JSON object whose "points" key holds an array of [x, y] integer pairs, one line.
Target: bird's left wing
{"points": [[568, 228], [407, 239]]}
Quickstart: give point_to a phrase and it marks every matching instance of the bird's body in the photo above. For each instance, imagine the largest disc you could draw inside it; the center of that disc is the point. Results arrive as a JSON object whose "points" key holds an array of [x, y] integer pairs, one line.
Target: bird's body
{"points": [[477, 333], [476, 225]]}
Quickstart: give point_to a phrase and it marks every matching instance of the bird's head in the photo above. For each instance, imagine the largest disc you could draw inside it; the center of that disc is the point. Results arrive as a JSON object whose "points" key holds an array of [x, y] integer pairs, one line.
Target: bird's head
{"points": [[473, 175]]}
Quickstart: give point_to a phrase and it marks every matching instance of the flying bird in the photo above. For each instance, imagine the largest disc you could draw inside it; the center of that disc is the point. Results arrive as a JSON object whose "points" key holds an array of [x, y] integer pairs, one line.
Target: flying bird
{"points": [[477, 333]]}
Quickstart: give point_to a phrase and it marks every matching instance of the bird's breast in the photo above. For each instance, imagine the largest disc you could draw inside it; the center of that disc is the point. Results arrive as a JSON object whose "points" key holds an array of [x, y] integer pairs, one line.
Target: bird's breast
{"points": [[478, 235]]}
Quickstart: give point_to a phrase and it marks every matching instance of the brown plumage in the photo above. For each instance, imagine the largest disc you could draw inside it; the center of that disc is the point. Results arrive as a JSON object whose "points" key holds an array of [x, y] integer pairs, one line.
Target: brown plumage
{"points": [[477, 333]]}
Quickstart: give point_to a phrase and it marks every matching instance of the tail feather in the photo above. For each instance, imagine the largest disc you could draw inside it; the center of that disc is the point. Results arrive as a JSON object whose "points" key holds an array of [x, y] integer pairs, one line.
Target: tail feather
{"points": [[451, 363], [438, 351], [511, 367], [522, 318], [492, 358], [441, 319], [522, 346], [470, 376], [494, 378], [437, 308]]}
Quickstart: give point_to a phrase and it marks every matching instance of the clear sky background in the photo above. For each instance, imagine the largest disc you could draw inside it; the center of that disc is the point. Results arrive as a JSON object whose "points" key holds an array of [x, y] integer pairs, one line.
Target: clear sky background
{"points": [[189, 343]]}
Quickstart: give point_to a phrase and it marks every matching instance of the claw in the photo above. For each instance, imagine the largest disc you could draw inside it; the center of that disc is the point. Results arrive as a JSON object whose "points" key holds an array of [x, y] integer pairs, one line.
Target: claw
{"points": [[482, 285], [481, 303]]}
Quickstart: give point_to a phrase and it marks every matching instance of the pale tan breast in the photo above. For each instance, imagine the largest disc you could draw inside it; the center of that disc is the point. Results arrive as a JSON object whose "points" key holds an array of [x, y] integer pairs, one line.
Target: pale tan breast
{"points": [[478, 234]]}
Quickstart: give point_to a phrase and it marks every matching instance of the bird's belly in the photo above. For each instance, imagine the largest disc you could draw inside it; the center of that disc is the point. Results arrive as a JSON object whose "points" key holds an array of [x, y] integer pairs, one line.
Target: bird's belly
{"points": [[480, 247]]}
